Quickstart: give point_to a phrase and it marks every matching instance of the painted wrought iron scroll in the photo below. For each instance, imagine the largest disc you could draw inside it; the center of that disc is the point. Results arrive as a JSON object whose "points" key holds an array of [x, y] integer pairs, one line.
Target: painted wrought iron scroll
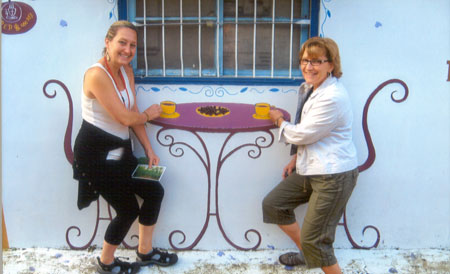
{"points": [[67, 137], [97, 221], [69, 156], [176, 150], [371, 155]]}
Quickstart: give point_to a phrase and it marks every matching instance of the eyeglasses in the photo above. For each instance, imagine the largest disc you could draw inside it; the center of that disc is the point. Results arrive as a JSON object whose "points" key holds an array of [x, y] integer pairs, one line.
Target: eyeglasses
{"points": [[313, 62]]}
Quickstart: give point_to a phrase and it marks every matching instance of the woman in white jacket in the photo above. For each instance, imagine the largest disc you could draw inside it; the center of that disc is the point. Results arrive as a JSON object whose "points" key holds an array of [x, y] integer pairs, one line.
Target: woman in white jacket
{"points": [[323, 170]]}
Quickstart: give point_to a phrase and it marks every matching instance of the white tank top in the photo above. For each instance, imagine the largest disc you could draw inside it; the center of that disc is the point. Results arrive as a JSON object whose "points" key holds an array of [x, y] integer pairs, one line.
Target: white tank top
{"points": [[93, 112]]}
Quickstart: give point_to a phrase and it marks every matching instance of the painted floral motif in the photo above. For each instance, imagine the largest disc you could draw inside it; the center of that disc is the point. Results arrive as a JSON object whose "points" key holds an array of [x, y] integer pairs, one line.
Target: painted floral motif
{"points": [[210, 91]]}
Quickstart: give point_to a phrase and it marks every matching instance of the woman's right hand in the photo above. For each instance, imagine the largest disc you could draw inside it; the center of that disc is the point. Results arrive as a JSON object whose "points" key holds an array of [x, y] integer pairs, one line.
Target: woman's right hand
{"points": [[290, 167], [153, 111]]}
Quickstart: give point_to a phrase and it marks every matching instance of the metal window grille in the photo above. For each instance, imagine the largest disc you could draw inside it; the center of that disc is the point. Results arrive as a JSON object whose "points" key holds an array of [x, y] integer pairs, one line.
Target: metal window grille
{"points": [[220, 38]]}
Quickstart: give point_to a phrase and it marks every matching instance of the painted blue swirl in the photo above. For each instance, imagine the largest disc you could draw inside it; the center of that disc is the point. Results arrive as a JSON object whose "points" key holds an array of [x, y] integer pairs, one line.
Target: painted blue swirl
{"points": [[256, 90], [154, 89], [210, 91], [220, 92], [112, 13], [289, 90], [327, 14]]}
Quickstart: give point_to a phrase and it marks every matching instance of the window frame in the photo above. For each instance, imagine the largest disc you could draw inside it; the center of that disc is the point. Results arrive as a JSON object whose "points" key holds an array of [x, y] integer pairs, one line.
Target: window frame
{"points": [[226, 80]]}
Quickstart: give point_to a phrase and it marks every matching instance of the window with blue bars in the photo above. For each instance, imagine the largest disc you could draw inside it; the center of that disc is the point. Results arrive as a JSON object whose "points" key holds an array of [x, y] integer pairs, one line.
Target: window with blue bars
{"points": [[225, 40]]}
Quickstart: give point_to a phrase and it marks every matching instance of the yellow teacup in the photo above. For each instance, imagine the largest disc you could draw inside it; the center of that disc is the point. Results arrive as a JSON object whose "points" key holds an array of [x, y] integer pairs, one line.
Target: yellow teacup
{"points": [[262, 110], [168, 107]]}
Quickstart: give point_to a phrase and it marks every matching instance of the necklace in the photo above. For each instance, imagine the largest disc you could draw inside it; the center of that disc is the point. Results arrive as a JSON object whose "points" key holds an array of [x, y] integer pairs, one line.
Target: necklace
{"points": [[123, 81]]}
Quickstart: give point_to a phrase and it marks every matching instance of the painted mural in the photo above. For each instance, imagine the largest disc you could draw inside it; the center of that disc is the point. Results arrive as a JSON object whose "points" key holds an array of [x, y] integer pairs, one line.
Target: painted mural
{"points": [[195, 125], [393, 102]]}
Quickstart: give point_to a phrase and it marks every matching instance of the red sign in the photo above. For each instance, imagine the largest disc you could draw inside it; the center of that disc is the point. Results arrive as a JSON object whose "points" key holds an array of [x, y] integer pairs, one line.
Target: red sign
{"points": [[17, 17]]}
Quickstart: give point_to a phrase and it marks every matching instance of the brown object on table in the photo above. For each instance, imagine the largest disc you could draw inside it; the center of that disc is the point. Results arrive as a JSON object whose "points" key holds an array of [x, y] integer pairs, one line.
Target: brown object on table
{"points": [[213, 111]]}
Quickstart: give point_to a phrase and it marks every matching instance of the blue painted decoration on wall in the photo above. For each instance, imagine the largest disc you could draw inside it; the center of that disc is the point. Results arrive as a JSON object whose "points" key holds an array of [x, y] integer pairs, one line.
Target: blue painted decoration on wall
{"points": [[327, 14], [112, 13], [210, 91]]}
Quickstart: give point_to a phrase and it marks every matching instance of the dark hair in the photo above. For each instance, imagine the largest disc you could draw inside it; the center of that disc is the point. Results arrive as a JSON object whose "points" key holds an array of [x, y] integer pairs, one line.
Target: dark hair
{"points": [[112, 31], [317, 46]]}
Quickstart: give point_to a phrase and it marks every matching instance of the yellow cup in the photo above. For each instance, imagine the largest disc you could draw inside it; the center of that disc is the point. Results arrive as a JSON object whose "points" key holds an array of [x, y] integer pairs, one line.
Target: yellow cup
{"points": [[262, 109], [168, 107]]}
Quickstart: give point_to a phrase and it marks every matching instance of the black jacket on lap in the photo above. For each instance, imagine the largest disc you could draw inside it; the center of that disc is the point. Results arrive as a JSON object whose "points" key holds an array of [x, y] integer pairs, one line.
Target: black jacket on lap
{"points": [[91, 148]]}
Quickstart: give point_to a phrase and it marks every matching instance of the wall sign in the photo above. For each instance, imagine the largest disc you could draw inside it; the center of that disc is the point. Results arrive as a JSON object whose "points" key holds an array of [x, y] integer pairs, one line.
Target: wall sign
{"points": [[17, 17]]}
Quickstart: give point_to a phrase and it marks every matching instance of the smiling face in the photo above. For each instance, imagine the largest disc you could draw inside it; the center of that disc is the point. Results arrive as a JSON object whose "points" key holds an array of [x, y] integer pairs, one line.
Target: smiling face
{"points": [[122, 47], [315, 74]]}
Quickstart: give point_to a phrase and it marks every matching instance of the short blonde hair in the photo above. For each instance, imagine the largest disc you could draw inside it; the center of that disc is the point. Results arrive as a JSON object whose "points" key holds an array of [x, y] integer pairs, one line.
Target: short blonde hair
{"points": [[317, 46]]}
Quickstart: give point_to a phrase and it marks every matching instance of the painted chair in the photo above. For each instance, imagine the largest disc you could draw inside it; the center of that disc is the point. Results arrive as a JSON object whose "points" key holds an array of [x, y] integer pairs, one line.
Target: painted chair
{"points": [[69, 156]]}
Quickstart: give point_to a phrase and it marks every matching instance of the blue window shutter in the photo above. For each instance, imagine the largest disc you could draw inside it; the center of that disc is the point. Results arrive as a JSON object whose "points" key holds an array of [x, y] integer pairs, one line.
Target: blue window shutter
{"points": [[315, 9], [122, 6]]}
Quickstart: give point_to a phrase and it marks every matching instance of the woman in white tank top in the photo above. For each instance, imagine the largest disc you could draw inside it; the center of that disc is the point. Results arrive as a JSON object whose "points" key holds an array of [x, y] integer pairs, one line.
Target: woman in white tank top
{"points": [[109, 110]]}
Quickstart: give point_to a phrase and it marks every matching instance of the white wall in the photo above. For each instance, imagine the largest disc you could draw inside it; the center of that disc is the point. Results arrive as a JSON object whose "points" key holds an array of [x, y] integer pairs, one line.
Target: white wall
{"points": [[404, 194], [39, 194]]}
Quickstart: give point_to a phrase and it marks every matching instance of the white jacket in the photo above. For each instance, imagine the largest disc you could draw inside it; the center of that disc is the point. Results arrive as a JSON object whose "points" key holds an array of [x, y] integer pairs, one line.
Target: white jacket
{"points": [[324, 134]]}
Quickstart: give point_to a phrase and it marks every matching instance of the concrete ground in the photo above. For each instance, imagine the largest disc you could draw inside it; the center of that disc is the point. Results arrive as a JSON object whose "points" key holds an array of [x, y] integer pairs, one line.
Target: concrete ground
{"points": [[54, 261]]}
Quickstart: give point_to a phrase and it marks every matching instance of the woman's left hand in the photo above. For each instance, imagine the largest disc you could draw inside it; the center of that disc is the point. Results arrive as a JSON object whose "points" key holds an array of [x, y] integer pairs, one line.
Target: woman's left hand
{"points": [[153, 159]]}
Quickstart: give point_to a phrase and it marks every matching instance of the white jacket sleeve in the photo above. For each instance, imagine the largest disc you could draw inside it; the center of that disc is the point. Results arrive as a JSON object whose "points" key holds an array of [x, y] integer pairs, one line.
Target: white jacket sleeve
{"points": [[316, 122]]}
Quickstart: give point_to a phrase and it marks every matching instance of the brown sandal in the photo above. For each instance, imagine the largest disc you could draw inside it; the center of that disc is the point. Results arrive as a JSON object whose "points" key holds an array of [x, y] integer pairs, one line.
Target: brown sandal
{"points": [[292, 259]]}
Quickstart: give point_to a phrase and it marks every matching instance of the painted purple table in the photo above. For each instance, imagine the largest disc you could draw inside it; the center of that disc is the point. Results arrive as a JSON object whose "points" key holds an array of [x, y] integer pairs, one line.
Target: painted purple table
{"points": [[240, 119]]}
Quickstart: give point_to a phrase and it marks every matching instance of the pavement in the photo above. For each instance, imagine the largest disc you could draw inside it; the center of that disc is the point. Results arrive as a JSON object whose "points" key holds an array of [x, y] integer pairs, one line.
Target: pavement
{"points": [[54, 261]]}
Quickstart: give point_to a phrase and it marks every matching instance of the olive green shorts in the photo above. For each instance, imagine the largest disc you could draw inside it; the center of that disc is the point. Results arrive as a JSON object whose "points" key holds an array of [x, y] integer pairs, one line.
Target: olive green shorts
{"points": [[327, 196]]}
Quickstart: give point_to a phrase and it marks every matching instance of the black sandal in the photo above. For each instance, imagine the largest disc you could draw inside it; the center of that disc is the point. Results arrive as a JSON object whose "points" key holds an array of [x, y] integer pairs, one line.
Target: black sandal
{"points": [[118, 267], [292, 259], [158, 257]]}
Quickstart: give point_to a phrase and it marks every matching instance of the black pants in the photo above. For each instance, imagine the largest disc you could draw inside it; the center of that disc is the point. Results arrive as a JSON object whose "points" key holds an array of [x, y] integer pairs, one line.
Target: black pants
{"points": [[120, 194]]}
